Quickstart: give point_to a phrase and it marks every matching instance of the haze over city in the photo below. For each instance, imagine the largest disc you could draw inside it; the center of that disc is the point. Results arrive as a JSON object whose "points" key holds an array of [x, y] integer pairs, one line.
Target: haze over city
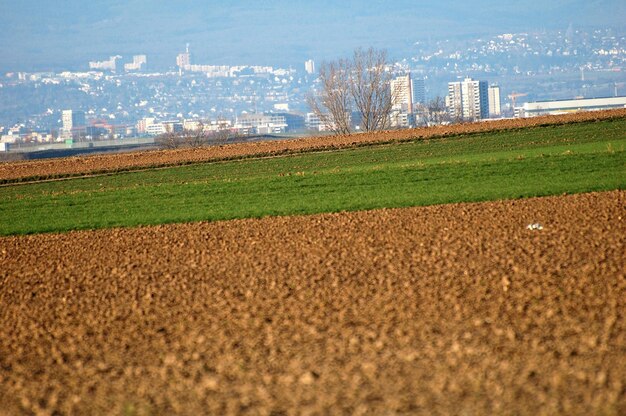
{"points": [[55, 35], [139, 69]]}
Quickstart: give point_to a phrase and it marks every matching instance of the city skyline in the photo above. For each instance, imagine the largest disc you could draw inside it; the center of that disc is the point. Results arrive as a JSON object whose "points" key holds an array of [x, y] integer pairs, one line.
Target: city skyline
{"points": [[51, 35], [552, 65]]}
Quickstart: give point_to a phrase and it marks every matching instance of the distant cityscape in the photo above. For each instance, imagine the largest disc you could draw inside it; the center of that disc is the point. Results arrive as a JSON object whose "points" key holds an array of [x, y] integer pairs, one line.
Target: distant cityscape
{"points": [[508, 75]]}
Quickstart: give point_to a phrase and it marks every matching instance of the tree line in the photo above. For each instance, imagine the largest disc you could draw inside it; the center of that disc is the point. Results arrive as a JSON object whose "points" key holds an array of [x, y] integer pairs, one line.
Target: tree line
{"points": [[193, 138]]}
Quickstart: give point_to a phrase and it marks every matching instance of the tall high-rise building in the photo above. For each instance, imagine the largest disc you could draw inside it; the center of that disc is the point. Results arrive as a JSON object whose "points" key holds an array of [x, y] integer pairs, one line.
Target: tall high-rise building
{"points": [[468, 99], [401, 93], [419, 91], [309, 67], [72, 119], [183, 60], [494, 101], [74, 124]]}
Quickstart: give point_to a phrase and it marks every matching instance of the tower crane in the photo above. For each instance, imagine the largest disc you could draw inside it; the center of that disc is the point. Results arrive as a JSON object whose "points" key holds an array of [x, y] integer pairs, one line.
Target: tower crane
{"points": [[513, 97]]}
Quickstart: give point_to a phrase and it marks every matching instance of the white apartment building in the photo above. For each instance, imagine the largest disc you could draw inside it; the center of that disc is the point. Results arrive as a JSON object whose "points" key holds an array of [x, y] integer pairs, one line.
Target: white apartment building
{"points": [[149, 126], [468, 100], [109, 65], [183, 60], [142, 125], [139, 61], [400, 119], [155, 129], [261, 124], [192, 125], [309, 67], [402, 93], [313, 122], [173, 126], [72, 119], [495, 109]]}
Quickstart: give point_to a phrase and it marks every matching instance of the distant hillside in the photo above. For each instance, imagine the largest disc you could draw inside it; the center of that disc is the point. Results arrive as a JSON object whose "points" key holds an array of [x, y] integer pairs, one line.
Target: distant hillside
{"points": [[56, 34]]}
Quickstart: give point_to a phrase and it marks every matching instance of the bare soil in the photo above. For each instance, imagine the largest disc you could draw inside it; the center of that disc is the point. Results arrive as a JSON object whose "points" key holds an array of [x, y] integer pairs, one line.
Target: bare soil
{"points": [[50, 168], [454, 309]]}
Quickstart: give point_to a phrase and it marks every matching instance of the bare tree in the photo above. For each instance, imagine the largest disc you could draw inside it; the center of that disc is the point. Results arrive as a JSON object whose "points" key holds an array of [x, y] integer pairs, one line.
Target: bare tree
{"points": [[193, 138], [370, 89], [361, 83], [436, 112], [197, 137], [333, 105], [220, 137], [169, 140]]}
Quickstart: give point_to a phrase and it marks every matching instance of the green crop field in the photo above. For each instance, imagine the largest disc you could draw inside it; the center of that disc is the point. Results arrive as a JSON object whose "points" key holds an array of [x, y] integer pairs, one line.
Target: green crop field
{"points": [[538, 161]]}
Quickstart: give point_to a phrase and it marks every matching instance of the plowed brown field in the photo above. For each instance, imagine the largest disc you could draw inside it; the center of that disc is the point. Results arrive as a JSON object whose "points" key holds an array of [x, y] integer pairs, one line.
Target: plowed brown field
{"points": [[50, 168], [455, 309]]}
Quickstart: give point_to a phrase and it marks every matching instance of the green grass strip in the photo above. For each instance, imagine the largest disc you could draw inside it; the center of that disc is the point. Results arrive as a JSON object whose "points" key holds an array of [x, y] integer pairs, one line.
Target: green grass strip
{"points": [[502, 165]]}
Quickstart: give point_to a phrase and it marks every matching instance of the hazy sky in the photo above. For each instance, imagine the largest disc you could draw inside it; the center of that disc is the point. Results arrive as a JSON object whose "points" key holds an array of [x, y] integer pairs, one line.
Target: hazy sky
{"points": [[53, 34]]}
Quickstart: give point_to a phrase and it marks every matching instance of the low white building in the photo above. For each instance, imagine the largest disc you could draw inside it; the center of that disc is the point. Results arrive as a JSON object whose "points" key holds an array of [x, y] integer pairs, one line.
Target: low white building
{"points": [[192, 125], [541, 108], [155, 129], [9, 138], [400, 119], [261, 124], [313, 122]]}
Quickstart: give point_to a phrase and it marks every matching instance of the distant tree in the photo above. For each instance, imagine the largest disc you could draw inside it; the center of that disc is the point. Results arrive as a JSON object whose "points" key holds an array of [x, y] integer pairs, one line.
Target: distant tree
{"points": [[333, 104], [169, 140], [197, 137], [361, 83], [193, 138], [436, 112], [221, 137], [370, 89]]}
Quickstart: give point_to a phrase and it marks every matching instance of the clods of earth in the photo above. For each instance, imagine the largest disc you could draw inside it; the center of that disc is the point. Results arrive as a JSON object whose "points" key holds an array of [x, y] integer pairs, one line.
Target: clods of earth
{"points": [[455, 309]]}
